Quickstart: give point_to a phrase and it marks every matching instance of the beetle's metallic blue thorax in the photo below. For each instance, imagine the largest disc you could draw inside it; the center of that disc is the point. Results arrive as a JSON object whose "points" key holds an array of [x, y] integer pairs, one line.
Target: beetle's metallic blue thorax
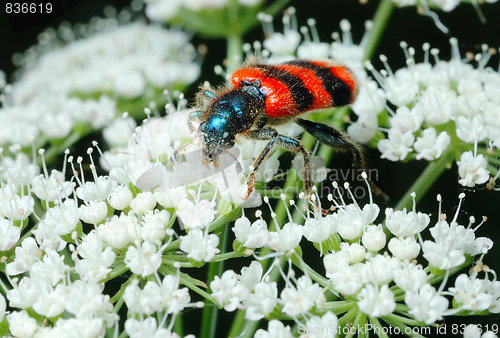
{"points": [[230, 114]]}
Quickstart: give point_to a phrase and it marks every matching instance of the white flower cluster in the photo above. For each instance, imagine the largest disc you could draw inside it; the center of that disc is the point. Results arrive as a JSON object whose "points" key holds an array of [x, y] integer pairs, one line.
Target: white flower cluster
{"points": [[66, 81], [442, 106], [76, 246], [94, 230], [130, 230], [252, 291], [164, 10], [368, 269]]}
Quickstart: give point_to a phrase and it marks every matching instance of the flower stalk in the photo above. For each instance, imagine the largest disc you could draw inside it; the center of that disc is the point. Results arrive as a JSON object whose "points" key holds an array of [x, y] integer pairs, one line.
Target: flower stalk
{"points": [[425, 181]]}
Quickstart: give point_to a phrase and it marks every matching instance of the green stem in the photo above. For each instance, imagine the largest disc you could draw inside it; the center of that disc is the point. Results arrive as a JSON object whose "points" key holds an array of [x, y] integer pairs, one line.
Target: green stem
{"points": [[225, 256], [210, 313], [403, 320], [339, 307], [179, 325], [394, 323], [4, 328], [433, 279], [237, 325], [276, 6], [189, 282], [315, 276], [424, 182], [234, 51], [380, 20], [117, 299], [348, 317], [186, 262], [378, 328], [359, 322], [116, 272]]}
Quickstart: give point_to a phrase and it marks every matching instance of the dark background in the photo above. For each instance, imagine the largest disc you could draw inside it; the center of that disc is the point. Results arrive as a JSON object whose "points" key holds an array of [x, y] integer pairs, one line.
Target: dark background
{"points": [[17, 33]]}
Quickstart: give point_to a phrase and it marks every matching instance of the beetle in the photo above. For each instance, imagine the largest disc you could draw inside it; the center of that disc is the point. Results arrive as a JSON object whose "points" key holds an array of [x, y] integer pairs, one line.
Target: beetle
{"points": [[262, 96]]}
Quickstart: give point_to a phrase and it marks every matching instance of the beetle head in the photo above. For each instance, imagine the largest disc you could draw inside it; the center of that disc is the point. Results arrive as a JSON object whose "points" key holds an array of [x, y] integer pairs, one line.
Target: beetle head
{"points": [[216, 136]]}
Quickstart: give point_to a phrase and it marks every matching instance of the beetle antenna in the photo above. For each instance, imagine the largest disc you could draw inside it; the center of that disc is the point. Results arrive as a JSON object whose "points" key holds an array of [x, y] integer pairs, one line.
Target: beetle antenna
{"points": [[238, 164], [178, 150]]}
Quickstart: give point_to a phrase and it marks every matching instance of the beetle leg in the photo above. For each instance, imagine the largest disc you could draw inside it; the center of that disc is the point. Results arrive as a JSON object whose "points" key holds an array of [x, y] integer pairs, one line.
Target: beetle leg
{"points": [[338, 140], [333, 138], [260, 121], [286, 142]]}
